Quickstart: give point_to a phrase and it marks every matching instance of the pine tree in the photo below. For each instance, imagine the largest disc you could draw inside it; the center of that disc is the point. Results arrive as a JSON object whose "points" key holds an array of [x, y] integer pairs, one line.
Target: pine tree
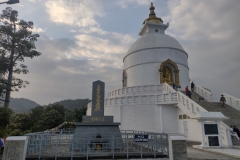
{"points": [[16, 43]]}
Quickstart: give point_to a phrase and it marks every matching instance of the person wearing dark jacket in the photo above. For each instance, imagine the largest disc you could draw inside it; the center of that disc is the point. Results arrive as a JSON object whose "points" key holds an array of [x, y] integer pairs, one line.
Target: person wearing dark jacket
{"points": [[192, 86], [235, 129], [222, 100]]}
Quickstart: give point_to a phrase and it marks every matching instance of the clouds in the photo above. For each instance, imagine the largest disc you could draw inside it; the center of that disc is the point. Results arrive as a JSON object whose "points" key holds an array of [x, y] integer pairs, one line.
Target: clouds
{"points": [[213, 19], [80, 13], [208, 32], [85, 40], [37, 30], [132, 3]]}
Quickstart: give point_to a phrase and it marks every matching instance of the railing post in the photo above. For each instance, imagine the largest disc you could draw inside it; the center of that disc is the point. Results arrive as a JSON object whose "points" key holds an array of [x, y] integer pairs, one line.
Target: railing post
{"points": [[72, 151], [88, 147], [57, 142], [127, 145], [40, 152], [112, 146]]}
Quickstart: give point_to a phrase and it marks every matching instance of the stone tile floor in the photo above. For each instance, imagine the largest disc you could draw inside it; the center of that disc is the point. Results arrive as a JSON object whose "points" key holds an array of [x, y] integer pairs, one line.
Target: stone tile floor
{"points": [[228, 152], [211, 154], [198, 154]]}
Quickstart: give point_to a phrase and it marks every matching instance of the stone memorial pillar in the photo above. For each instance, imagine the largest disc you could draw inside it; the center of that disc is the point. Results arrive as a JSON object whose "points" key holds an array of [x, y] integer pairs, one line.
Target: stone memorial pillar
{"points": [[97, 129]]}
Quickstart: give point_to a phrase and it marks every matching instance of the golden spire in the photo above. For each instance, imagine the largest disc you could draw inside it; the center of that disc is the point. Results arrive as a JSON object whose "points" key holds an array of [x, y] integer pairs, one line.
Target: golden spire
{"points": [[152, 15]]}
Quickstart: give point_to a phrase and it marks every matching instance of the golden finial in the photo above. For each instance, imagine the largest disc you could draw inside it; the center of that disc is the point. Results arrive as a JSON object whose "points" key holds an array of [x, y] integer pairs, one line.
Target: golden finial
{"points": [[152, 13]]}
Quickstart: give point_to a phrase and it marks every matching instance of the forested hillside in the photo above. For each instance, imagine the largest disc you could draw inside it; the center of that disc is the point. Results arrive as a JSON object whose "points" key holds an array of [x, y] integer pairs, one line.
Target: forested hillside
{"points": [[22, 105], [72, 104]]}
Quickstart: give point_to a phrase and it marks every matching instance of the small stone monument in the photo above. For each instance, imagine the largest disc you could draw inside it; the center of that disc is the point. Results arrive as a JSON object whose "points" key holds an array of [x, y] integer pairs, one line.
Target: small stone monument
{"points": [[177, 147], [15, 148], [96, 128]]}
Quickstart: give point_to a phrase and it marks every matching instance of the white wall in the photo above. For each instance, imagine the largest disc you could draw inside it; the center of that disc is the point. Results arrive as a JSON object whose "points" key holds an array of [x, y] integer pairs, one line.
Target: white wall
{"points": [[151, 118], [113, 111], [141, 118], [142, 67], [89, 109], [194, 128], [170, 118]]}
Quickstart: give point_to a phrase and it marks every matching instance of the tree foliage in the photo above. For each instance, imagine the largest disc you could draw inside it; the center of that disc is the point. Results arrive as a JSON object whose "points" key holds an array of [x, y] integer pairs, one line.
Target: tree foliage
{"points": [[38, 119], [21, 121], [16, 43], [35, 115], [58, 107], [5, 114], [51, 119], [78, 113]]}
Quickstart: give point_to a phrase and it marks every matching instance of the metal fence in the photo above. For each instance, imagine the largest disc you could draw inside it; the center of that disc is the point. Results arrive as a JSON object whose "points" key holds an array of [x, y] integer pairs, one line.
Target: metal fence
{"points": [[62, 144]]}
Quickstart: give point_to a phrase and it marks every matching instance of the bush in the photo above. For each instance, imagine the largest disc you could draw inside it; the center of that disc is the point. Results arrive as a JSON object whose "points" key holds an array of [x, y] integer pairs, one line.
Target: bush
{"points": [[27, 131], [16, 132]]}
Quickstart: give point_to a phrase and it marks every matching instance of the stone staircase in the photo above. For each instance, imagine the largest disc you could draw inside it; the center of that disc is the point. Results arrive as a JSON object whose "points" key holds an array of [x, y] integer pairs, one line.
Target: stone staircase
{"points": [[231, 113], [236, 142], [228, 111]]}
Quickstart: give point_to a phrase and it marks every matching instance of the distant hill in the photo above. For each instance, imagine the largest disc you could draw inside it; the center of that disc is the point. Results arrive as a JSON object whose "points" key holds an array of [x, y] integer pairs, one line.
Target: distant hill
{"points": [[77, 103], [22, 105]]}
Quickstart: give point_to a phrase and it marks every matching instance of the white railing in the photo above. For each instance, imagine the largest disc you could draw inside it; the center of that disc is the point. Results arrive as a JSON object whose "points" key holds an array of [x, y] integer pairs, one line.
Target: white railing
{"points": [[135, 90], [188, 105], [167, 88], [232, 101], [225, 133], [166, 98], [203, 93]]}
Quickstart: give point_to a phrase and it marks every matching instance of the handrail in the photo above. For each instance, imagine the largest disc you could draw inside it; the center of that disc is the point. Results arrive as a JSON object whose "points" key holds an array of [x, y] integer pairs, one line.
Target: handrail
{"points": [[232, 101], [168, 89], [136, 90], [208, 96], [188, 105], [164, 98]]}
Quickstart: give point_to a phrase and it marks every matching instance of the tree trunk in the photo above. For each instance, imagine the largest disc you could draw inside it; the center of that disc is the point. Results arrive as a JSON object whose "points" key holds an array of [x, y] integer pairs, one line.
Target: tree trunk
{"points": [[10, 73], [9, 84]]}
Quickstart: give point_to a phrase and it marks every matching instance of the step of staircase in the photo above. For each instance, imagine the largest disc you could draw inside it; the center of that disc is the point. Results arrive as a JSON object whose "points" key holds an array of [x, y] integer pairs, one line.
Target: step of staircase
{"points": [[236, 143]]}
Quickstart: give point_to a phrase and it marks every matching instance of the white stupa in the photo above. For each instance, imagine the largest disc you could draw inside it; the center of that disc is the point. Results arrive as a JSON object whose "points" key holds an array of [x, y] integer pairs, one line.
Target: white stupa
{"points": [[147, 101], [154, 58]]}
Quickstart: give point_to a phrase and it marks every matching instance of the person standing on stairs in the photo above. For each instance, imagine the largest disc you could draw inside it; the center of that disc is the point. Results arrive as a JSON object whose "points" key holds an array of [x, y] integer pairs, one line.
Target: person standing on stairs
{"points": [[187, 91], [222, 100], [233, 133], [192, 86], [174, 86], [235, 129], [190, 94]]}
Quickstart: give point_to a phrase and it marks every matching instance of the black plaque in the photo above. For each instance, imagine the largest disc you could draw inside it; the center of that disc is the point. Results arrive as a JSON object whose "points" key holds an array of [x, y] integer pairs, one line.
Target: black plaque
{"points": [[98, 99], [210, 129], [213, 141], [141, 138]]}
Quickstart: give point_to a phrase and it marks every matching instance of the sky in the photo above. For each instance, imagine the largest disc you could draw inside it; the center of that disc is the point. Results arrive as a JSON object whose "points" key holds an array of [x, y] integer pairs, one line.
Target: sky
{"points": [[82, 41]]}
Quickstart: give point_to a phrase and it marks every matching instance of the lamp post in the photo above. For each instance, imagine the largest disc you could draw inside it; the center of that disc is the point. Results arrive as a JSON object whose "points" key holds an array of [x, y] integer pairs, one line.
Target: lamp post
{"points": [[10, 2]]}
